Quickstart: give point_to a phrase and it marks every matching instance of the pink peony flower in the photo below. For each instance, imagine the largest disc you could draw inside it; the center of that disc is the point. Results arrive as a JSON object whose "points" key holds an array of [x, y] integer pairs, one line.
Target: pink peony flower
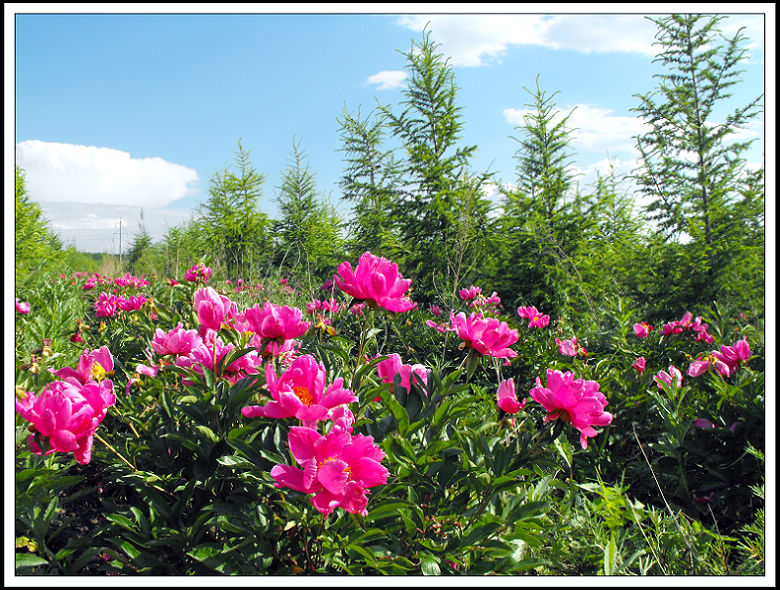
{"points": [[642, 330], [93, 365], [438, 327], [734, 355], [703, 423], [639, 365], [664, 377], [132, 303], [198, 271], [204, 354], [535, 318], [176, 341], [68, 415], [338, 468], [567, 347], [471, 293], [376, 281], [573, 400], [490, 337], [22, 306], [276, 322], [300, 393], [212, 308], [507, 398], [106, 305], [672, 328], [392, 366]]}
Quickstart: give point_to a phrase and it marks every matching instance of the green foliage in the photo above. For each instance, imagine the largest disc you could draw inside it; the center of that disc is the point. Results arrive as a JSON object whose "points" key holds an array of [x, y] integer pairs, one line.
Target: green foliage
{"points": [[307, 231], [370, 181], [233, 230], [35, 242], [691, 165], [441, 211]]}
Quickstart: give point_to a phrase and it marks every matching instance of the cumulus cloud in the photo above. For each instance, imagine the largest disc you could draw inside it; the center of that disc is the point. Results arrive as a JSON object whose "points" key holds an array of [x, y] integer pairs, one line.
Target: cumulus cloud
{"points": [[475, 40], [87, 192], [593, 129], [388, 79], [62, 172]]}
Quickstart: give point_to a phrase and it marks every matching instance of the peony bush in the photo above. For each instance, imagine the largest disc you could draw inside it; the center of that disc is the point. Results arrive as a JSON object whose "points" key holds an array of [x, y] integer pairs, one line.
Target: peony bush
{"points": [[192, 426]]}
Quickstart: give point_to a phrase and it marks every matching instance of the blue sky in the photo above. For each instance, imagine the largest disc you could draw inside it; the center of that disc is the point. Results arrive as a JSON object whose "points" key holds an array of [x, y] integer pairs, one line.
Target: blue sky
{"points": [[118, 113]]}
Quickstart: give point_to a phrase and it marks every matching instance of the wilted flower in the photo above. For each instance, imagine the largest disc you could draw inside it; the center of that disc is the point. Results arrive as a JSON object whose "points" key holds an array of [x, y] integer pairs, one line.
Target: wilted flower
{"points": [[577, 401], [338, 468], [300, 393], [376, 281], [569, 347], [490, 337]]}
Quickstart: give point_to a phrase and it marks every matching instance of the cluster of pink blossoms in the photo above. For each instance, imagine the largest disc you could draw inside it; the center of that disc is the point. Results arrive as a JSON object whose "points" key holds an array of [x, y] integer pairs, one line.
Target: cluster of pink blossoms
{"points": [[375, 281], [476, 299], [338, 468], [535, 317], [109, 304], [725, 361], [22, 306], [127, 280], [197, 272], [68, 412], [329, 305], [688, 322]]}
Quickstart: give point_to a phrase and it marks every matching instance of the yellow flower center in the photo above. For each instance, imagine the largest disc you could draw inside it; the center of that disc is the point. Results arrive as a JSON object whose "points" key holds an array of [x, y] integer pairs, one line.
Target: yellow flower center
{"points": [[304, 395], [97, 372]]}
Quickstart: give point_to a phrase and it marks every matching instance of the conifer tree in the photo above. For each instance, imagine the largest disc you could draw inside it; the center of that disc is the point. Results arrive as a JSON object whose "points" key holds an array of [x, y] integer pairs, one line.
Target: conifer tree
{"points": [[439, 186], [235, 230], [691, 164], [307, 230], [370, 181]]}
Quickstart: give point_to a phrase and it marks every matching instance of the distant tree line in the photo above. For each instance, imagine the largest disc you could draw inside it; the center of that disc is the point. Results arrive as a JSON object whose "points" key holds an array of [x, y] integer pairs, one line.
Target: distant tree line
{"points": [[414, 197]]}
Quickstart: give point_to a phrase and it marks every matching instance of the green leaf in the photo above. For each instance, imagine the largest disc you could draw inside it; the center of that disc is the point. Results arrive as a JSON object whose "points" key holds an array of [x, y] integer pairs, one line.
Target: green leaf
{"points": [[29, 560], [429, 565]]}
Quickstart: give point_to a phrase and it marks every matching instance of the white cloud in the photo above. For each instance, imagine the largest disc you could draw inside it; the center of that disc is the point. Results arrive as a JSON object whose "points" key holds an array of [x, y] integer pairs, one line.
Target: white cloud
{"points": [[474, 40], [387, 79], [84, 191], [97, 229], [593, 129], [61, 172]]}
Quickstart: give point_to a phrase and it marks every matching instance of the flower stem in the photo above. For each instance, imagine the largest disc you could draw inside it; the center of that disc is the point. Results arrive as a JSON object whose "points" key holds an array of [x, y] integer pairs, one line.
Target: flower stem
{"points": [[125, 461]]}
